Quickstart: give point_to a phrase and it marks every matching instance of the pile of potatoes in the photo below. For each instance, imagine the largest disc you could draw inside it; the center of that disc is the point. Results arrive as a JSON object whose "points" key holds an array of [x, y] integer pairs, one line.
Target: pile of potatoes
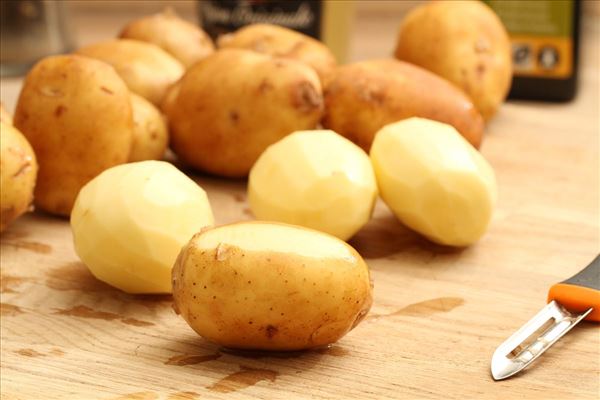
{"points": [[88, 126]]}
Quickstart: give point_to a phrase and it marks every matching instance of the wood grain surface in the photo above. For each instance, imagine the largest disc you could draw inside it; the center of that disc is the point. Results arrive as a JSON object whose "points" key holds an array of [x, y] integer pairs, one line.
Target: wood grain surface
{"points": [[438, 313]]}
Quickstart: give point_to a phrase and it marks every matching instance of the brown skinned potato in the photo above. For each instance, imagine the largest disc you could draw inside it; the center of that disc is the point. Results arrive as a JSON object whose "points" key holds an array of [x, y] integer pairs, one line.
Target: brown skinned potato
{"points": [[150, 134], [269, 286], [365, 96], [5, 116], [147, 69], [183, 40], [76, 113], [283, 42], [233, 104], [464, 42], [18, 171]]}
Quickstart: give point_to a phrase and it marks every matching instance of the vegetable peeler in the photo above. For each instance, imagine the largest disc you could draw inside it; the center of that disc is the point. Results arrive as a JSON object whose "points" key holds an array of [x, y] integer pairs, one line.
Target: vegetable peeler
{"points": [[569, 302]]}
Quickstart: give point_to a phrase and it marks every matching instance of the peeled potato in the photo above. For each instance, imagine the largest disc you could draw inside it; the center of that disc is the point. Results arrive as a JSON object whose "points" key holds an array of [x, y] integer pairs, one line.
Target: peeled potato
{"points": [[183, 40], [229, 107], [316, 179], [18, 171], [76, 113], [130, 222], [147, 69], [5, 116], [278, 41], [259, 285], [150, 134], [463, 42], [434, 181]]}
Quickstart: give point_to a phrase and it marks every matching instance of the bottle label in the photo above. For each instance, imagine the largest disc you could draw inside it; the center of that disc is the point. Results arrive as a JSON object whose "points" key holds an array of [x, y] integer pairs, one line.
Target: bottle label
{"points": [[222, 16], [541, 34]]}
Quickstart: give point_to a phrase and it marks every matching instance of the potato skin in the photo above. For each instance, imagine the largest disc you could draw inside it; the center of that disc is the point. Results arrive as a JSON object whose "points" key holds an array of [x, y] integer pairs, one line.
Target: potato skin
{"points": [[365, 96], [147, 69], [183, 40], [150, 134], [5, 116], [464, 42], [252, 299], [18, 172], [283, 42], [234, 103], [76, 113]]}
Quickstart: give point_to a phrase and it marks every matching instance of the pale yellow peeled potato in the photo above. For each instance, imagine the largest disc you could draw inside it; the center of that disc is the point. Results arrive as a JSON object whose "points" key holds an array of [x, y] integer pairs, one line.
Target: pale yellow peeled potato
{"points": [[259, 285], [150, 133], [316, 179], [434, 181], [130, 222]]}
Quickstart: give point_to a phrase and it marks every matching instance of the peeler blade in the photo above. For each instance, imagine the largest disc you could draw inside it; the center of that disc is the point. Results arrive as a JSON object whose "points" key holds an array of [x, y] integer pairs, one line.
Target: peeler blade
{"points": [[533, 339]]}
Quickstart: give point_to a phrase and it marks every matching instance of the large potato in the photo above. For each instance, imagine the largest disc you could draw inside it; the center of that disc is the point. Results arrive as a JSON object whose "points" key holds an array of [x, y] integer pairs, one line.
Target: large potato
{"points": [[233, 104], [283, 42], [365, 96], [76, 113], [147, 69], [434, 181], [316, 179], [18, 171], [183, 40], [464, 42], [130, 222], [150, 134], [258, 285]]}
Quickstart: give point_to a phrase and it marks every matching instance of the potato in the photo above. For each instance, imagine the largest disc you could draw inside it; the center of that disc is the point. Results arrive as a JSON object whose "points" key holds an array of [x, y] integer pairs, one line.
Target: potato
{"points": [[233, 104], [5, 116], [18, 171], [258, 285], [168, 102], [282, 42], [130, 222], [316, 179], [434, 181], [76, 113], [464, 42], [147, 69], [150, 135], [365, 96], [183, 40]]}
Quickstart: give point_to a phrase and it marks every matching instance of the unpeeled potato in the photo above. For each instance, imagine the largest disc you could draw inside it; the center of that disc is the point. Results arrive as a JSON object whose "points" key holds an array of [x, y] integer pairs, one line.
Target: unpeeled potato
{"points": [[150, 134], [278, 41], [258, 285], [18, 171], [147, 69], [5, 116], [464, 42], [183, 40], [365, 96], [76, 113]]}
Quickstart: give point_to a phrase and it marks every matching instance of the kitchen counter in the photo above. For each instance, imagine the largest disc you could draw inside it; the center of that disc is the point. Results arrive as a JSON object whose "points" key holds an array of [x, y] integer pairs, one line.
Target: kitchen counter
{"points": [[438, 313]]}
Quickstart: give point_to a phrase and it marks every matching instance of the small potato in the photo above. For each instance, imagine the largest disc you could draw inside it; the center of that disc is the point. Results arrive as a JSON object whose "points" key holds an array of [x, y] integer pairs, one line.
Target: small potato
{"points": [[258, 285], [434, 180], [18, 171], [316, 179], [183, 40], [150, 134], [365, 96], [233, 104], [147, 69], [464, 42], [130, 222], [283, 42], [5, 116], [76, 113]]}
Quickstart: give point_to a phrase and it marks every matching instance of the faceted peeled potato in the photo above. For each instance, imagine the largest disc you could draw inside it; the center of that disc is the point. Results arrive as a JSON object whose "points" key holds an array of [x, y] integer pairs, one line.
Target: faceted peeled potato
{"points": [[259, 285], [316, 179], [130, 222], [18, 171], [434, 181]]}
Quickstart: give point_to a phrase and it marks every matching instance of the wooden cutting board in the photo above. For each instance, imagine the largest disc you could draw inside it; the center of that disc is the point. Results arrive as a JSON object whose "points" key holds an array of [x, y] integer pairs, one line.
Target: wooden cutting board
{"points": [[438, 313]]}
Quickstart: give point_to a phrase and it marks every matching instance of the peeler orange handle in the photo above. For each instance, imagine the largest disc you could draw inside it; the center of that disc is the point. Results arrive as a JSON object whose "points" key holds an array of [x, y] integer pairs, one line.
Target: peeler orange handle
{"points": [[580, 292]]}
